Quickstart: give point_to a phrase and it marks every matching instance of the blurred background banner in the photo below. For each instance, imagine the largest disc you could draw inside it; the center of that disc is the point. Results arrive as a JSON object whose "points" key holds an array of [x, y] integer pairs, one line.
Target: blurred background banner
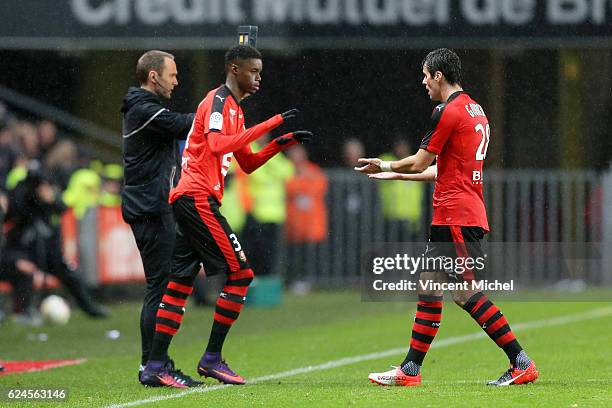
{"points": [[121, 24]]}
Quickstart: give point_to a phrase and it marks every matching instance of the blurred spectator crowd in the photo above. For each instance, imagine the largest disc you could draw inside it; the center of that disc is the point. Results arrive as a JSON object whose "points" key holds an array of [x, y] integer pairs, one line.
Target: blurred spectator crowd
{"points": [[285, 213], [42, 174]]}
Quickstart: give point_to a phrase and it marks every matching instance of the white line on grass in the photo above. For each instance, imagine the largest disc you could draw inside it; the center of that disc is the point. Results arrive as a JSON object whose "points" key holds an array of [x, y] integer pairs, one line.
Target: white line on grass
{"points": [[555, 321]]}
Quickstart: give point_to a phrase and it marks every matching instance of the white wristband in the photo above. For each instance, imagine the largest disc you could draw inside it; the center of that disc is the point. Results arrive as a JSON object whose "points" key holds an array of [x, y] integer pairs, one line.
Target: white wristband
{"points": [[385, 165]]}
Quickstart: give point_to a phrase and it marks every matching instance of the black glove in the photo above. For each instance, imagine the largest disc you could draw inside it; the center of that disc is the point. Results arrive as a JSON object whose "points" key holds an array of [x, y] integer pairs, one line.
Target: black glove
{"points": [[299, 136], [290, 114]]}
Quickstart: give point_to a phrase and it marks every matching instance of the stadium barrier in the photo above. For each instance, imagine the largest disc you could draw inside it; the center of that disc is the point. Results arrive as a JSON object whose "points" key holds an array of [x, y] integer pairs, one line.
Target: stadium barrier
{"points": [[546, 227], [103, 247], [525, 209]]}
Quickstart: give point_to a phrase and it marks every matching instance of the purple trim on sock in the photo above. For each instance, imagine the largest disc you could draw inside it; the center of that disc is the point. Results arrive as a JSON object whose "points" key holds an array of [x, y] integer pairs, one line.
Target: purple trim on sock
{"points": [[211, 358], [153, 365]]}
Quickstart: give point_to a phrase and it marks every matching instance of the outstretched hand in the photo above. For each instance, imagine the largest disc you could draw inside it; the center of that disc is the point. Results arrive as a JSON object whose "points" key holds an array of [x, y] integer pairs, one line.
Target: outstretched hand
{"points": [[299, 136], [290, 114], [302, 136], [370, 166], [386, 175]]}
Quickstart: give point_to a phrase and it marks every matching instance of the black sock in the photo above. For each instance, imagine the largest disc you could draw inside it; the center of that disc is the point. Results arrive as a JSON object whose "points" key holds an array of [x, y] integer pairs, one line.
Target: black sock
{"points": [[228, 307], [170, 316], [494, 323], [426, 324]]}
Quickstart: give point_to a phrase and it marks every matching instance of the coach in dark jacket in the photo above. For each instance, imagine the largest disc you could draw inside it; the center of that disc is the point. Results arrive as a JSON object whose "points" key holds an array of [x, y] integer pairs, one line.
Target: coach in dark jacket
{"points": [[151, 169], [150, 153]]}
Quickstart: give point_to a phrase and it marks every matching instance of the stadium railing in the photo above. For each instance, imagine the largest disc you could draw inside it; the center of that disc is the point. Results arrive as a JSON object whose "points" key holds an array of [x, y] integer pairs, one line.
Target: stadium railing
{"points": [[546, 226]]}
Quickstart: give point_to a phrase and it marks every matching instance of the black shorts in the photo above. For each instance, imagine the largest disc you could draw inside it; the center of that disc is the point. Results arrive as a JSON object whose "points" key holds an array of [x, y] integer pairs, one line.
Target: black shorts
{"points": [[204, 237], [155, 237], [456, 251]]}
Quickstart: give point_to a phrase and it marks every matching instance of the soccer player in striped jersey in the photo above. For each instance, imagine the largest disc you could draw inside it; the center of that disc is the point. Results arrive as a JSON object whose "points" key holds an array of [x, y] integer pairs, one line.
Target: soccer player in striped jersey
{"points": [[217, 136], [458, 141]]}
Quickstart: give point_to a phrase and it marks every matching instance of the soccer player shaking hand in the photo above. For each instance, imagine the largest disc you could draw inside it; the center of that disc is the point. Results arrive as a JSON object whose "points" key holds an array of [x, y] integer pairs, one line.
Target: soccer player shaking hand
{"points": [[458, 141]]}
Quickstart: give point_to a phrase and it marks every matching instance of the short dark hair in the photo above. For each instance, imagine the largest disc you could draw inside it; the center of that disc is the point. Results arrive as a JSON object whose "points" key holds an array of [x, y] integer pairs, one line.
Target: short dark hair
{"points": [[241, 52], [151, 61], [445, 61]]}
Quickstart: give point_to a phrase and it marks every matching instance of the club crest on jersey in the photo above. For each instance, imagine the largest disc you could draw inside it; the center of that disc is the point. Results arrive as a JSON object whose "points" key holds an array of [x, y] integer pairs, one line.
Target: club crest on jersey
{"points": [[232, 114], [216, 121]]}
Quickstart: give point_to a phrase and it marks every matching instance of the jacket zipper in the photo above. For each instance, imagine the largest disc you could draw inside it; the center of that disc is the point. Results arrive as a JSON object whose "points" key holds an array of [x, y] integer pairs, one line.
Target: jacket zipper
{"points": [[172, 177]]}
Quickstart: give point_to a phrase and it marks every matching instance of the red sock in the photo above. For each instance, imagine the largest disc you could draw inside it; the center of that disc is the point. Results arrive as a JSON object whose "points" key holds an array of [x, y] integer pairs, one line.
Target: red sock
{"points": [[170, 316], [494, 323], [228, 307], [425, 327]]}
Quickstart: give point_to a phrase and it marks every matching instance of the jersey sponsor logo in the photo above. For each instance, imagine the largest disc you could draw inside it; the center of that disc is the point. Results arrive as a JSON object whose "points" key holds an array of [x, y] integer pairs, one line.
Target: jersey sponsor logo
{"points": [[216, 121], [476, 177], [217, 187], [217, 96]]}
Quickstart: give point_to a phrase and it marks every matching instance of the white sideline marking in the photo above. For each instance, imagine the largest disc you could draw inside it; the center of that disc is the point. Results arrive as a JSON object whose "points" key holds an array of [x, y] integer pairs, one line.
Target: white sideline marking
{"points": [[555, 321]]}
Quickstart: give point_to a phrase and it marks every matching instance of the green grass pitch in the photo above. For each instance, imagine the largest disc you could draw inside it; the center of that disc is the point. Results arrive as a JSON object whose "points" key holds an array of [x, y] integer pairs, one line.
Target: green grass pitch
{"points": [[574, 357]]}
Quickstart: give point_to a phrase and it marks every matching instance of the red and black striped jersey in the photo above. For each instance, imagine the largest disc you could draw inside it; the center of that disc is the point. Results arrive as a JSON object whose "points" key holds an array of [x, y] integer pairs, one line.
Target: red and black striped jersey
{"points": [[460, 138], [216, 133]]}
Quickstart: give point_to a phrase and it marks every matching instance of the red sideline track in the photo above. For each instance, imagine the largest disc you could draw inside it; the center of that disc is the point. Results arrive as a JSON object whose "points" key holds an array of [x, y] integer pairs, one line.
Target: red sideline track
{"points": [[11, 367]]}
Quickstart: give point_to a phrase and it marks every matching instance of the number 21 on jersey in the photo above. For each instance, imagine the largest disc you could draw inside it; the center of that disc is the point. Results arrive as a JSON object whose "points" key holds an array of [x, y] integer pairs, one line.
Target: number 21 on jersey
{"points": [[481, 153]]}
